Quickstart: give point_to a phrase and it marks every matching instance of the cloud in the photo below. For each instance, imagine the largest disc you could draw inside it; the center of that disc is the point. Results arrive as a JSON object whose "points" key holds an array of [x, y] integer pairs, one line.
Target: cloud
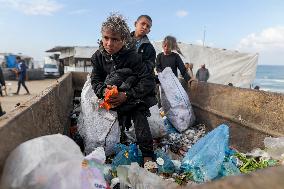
{"points": [[269, 43], [79, 11], [33, 7], [268, 39], [181, 13]]}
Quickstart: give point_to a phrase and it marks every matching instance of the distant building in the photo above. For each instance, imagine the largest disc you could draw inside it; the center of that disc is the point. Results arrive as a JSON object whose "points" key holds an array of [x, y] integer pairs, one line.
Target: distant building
{"points": [[75, 56]]}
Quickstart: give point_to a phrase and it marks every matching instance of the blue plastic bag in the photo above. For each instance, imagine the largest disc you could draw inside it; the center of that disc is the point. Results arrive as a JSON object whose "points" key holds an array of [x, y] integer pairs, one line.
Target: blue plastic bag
{"points": [[205, 160], [165, 164], [169, 126], [127, 155]]}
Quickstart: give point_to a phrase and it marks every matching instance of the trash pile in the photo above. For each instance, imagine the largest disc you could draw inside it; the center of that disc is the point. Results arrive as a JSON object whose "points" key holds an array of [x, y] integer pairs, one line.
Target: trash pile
{"points": [[184, 154], [187, 158]]}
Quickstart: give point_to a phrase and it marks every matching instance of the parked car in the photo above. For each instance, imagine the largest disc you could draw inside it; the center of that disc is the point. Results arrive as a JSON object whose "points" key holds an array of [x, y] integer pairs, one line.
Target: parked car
{"points": [[51, 70]]}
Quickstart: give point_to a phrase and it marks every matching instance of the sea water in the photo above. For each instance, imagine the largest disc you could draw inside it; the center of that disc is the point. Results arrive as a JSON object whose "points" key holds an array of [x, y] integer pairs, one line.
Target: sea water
{"points": [[270, 78]]}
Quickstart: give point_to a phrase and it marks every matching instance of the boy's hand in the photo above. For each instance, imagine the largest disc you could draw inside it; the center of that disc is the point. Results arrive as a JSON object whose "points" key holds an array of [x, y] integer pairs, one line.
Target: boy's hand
{"points": [[109, 87], [118, 100]]}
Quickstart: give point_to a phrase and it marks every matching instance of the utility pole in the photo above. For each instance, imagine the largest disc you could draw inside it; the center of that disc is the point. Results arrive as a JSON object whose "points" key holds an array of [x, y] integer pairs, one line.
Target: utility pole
{"points": [[204, 33]]}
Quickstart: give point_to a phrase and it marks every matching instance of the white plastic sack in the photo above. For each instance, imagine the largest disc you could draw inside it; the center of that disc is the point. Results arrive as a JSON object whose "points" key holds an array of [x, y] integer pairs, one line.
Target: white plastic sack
{"points": [[47, 162], [139, 178], [275, 147], [175, 101], [156, 123], [97, 126]]}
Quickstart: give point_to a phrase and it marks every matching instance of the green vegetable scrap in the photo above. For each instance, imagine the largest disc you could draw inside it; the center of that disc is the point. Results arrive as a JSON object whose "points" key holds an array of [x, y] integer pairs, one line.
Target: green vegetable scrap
{"points": [[251, 164], [183, 178]]}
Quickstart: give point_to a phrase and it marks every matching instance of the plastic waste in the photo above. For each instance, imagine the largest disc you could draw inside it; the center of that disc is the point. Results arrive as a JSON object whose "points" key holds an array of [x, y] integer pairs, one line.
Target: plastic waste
{"points": [[52, 161], [109, 93], [175, 101], [140, 178], [168, 126], [165, 164], [205, 159], [97, 126], [127, 155], [275, 147], [156, 123], [98, 154]]}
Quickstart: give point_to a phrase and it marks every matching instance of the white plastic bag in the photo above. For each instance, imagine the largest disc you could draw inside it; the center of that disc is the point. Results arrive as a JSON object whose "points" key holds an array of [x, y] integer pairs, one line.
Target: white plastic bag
{"points": [[139, 178], [175, 101], [52, 161], [97, 126], [275, 147], [156, 123]]}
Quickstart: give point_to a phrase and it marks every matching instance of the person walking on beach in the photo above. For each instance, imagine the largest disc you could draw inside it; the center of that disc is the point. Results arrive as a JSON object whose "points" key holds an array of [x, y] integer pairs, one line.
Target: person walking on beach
{"points": [[202, 74], [22, 71]]}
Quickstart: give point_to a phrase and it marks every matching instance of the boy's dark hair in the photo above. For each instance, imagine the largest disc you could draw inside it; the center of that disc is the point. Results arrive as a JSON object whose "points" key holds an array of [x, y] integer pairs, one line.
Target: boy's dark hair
{"points": [[18, 58], [117, 24], [144, 16]]}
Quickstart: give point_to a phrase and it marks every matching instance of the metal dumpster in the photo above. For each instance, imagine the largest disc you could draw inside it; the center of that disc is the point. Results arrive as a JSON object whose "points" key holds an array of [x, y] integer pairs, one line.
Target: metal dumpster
{"points": [[252, 115]]}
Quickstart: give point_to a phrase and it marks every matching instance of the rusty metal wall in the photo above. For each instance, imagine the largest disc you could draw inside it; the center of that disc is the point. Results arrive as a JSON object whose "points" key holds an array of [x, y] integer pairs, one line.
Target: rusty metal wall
{"points": [[251, 114], [47, 113]]}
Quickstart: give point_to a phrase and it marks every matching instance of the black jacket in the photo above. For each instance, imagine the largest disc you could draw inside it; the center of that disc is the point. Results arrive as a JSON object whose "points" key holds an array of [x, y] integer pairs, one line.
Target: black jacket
{"points": [[143, 90], [2, 80], [173, 61], [148, 52]]}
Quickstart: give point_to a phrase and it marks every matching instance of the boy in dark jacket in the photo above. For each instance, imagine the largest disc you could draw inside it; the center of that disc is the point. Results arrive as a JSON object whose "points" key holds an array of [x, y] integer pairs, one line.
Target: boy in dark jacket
{"points": [[117, 51], [144, 47]]}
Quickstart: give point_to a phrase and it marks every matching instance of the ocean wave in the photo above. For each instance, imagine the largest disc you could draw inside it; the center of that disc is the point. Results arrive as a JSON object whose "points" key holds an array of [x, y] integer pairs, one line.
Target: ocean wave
{"points": [[272, 90], [270, 80]]}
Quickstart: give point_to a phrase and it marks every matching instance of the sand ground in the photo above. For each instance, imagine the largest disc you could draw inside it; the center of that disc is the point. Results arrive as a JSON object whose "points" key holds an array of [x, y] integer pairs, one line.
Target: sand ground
{"points": [[35, 87]]}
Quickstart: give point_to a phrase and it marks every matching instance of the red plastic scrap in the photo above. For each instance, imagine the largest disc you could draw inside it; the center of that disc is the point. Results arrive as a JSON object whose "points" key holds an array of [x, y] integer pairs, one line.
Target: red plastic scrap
{"points": [[109, 93]]}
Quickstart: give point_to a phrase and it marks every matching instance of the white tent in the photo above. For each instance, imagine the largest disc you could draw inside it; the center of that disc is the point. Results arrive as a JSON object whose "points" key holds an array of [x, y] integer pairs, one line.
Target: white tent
{"points": [[225, 66]]}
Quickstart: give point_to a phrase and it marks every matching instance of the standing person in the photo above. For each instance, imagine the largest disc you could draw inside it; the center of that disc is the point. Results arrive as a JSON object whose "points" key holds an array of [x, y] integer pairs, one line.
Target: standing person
{"points": [[171, 59], [2, 82], [189, 67], [61, 67], [1, 110], [117, 51], [22, 71], [202, 74], [144, 47]]}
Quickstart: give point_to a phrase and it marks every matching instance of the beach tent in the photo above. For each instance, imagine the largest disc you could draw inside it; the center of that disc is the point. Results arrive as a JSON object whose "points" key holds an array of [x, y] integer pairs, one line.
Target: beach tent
{"points": [[225, 66]]}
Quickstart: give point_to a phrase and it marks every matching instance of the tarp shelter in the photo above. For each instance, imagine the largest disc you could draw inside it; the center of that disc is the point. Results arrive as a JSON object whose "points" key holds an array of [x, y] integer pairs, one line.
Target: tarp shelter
{"points": [[225, 66]]}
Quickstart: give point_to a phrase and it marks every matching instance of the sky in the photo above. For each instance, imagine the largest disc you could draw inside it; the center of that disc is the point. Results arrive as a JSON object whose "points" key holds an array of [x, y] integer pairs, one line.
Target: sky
{"points": [[255, 26]]}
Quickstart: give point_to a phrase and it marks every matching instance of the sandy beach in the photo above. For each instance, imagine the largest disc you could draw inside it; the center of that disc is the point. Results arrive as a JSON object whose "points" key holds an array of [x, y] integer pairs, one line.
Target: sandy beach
{"points": [[35, 87]]}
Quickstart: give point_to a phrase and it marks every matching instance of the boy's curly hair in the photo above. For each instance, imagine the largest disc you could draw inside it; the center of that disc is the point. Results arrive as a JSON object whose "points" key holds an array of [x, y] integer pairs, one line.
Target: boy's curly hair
{"points": [[117, 24]]}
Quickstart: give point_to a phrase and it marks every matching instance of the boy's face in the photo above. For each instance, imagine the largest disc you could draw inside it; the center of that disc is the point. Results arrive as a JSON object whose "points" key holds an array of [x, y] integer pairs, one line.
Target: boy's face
{"points": [[112, 42], [142, 27]]}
